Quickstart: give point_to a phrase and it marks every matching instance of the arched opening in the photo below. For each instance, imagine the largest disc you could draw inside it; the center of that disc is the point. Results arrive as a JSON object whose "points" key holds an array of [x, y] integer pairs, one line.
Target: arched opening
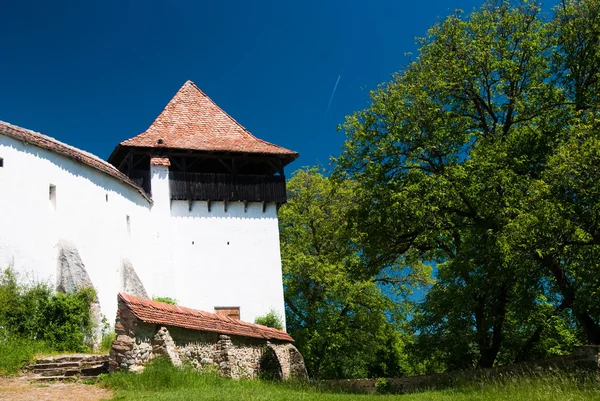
{"points": [[270, 368]]}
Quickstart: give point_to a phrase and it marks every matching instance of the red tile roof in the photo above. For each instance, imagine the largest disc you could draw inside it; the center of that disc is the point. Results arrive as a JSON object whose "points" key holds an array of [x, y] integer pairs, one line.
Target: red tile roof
{"points": [[160, 161], [191, 120], [179, 316], [53, 145]]}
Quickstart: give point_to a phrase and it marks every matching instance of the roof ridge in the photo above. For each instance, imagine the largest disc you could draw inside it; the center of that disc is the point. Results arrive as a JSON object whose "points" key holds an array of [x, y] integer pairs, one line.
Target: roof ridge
{"points": [[230, 117], [20, 133], [192, 120], [60, 143]]}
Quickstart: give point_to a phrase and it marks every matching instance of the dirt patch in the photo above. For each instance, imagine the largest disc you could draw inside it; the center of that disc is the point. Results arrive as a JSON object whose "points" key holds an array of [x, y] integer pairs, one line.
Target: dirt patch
{"points": [[21, 389]]}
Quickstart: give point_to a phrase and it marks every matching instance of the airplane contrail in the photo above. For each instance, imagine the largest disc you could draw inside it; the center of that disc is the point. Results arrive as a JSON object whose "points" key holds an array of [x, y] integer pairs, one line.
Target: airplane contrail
{"points": [[332, 94]]}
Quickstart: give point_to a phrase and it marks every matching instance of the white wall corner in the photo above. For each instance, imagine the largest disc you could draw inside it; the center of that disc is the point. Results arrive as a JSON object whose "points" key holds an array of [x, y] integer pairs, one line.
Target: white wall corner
{"points": [[159, 181]]}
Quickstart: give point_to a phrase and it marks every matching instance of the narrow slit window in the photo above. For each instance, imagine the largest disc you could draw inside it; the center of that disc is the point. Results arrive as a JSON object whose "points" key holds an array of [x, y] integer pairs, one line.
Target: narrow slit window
{"points": [[52, 195], [128, 225], [1, 162]]}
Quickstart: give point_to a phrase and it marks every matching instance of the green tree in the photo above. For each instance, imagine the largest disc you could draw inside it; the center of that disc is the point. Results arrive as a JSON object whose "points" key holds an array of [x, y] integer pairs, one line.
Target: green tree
{"points": [[342, 322], [271, 319], [457, 160], [562, 203]]}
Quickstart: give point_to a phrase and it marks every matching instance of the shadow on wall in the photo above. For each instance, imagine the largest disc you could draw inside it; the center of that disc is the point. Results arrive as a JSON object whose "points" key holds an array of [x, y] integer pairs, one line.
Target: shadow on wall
{"points": [[235, 210]]}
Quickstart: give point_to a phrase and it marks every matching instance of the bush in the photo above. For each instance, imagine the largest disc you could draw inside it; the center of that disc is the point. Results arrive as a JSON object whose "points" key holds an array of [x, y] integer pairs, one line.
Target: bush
{"points": [[165, 300], [382, 386], [271, 319], [33, 313]]}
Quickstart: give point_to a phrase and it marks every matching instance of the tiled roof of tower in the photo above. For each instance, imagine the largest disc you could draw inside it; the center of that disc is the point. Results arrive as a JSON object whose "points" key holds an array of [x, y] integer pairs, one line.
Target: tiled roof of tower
{"points": [[191, 120], [81, 156], [179, 316]]}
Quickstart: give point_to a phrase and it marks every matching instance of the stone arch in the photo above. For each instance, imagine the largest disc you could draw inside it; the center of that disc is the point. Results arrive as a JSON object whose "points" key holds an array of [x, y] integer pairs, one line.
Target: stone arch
{"points": [[296, 361], [270, 366]]}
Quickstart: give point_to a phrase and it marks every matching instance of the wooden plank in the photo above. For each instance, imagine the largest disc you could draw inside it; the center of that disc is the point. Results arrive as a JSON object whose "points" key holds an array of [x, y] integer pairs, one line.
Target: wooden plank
{"points": [[226, 187]]}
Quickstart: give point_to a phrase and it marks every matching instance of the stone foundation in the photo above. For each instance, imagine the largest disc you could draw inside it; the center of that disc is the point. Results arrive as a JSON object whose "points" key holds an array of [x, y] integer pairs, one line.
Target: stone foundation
{"points": [[137, 342]]}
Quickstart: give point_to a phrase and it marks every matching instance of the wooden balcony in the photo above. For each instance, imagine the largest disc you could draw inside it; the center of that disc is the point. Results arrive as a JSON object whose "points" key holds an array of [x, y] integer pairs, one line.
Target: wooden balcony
{"points": [[226, 187]]}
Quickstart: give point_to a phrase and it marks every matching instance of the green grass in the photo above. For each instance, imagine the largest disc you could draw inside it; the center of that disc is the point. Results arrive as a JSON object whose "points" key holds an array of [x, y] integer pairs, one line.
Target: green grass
{"points": [[106, 342], [17, 352], [161, 381]]}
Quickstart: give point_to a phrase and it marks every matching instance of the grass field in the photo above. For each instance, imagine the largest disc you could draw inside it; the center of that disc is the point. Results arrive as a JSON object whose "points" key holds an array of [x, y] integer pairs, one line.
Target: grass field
{"points": [[14, 353], [160, 381]]}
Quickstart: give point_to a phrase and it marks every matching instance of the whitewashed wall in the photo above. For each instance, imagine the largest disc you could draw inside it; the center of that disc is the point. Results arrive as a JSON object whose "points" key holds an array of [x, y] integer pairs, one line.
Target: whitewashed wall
{"points": [[203, 259], [233, 260], [30, 227]]}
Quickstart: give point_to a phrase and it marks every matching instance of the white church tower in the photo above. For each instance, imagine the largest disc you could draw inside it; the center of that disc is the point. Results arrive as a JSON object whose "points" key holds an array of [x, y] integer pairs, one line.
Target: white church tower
{"points": [[186, 210], [216, 190]]}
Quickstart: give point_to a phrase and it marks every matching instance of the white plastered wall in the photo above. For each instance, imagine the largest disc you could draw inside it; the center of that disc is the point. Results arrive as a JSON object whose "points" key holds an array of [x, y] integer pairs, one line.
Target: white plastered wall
{"points": [[233, 260], [203, 259], [30, 226]]}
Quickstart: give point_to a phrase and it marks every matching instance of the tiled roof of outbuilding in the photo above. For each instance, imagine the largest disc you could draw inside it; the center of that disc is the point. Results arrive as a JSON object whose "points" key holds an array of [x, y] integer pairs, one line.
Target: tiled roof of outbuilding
{"points": [[192, 121], [81, 156], [179, 316]]}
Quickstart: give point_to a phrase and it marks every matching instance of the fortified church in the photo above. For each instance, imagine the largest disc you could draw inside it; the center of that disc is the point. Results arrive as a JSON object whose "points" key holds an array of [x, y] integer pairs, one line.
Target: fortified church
{"points": [[187, 210]]}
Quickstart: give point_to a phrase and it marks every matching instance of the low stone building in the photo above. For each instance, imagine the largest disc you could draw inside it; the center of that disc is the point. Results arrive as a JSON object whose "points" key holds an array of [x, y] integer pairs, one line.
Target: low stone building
{"points": [[146, 329]]}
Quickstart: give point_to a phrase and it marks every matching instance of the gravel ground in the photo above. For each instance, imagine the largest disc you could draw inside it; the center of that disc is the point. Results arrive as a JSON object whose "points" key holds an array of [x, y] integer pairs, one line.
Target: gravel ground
{"points": [[20, 389]]}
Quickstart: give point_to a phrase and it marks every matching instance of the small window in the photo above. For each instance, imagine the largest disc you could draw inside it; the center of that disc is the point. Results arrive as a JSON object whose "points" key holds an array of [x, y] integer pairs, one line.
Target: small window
{"points": [[52, 195], [232, 312], [1, 162], [107, 197], [128, 225]]}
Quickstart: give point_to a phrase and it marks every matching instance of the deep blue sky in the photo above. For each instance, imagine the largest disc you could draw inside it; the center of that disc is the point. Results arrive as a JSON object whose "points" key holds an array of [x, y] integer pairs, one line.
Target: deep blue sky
{"points": [[92, 74]]}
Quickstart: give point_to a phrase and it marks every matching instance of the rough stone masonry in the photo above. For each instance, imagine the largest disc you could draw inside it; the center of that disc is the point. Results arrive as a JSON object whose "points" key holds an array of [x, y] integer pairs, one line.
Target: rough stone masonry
{"points": [[146, 329]]}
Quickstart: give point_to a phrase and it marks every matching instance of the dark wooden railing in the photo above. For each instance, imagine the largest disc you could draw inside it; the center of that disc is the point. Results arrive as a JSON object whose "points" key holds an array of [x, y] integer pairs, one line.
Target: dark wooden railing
{"points": [[141, 178], [226, 187]]}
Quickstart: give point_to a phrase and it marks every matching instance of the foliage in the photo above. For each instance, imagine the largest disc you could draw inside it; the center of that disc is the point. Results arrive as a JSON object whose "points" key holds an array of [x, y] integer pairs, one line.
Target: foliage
{"points": [[271, 319], [382, 386], [336, 310], [166, 300], [161, 380], [108, 336], [16, 352], [106, 342], [481, 158], [33, 312]]}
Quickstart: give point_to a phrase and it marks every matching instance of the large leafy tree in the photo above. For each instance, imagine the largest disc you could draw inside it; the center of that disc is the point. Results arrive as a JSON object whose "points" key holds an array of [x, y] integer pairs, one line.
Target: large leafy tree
{"points": [[558, 221], [343, 323], [481, 157]]}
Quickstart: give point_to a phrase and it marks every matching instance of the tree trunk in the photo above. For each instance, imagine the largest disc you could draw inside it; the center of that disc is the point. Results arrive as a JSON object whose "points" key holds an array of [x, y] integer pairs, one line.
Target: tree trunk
{"points": [[590, 328], [489, 347]]}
